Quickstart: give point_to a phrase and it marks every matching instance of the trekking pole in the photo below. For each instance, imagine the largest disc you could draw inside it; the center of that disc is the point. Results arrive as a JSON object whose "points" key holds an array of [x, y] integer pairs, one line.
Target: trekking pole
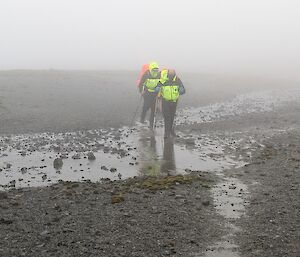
{"points": [[137, 109]]}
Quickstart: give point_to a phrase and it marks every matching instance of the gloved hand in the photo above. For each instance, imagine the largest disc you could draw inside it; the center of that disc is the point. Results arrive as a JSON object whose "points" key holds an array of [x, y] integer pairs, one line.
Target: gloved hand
{"points": [[181, 90]]}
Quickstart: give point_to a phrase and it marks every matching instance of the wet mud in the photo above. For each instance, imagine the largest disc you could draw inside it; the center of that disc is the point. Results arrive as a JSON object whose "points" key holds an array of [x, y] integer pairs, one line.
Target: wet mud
{"points": [[128, 192]]}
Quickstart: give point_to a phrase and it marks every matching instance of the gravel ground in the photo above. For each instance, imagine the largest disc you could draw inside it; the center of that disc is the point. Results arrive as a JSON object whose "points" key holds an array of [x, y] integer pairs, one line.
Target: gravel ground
{"points": [[270, 225], [154, 216]]}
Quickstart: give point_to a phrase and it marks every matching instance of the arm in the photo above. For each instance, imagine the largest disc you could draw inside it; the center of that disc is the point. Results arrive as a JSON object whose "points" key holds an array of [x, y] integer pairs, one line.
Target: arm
{"points": [[158, 87], [142, 81], [181, 87]]}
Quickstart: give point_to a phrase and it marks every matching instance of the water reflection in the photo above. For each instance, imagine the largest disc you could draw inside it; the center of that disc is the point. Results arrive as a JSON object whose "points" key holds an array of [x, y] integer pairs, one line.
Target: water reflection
{"points": [[157, 156], [168, 163]]}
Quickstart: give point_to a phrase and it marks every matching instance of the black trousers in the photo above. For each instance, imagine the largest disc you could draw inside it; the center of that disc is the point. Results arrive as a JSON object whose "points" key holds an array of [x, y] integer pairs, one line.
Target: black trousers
{"points": [[169, 111], [149, 102]]}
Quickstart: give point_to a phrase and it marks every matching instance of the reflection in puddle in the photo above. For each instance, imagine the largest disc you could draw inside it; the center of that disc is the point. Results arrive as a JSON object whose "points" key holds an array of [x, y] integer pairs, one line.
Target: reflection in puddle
{"points": [[29, 160]]}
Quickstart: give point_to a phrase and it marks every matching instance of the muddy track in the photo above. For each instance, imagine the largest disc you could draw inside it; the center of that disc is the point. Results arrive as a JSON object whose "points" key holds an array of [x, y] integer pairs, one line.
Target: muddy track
{"points": [[220, 188]]}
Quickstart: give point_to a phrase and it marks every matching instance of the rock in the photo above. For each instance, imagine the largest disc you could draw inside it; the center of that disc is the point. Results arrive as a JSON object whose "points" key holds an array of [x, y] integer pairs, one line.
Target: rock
{"points": [[23, 170], [104, 167], [64, 156], [3, 195], [117, 199], [58, 163], [91, 156], [232, 187], [76, 156], [5, 221], [8, 165], [205, 203], [190, 141], [113, 169], [119, 175]]}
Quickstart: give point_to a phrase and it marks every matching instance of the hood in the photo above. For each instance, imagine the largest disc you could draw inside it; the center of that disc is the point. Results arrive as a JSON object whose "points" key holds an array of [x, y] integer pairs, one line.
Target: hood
{"points": [[153, 65]]}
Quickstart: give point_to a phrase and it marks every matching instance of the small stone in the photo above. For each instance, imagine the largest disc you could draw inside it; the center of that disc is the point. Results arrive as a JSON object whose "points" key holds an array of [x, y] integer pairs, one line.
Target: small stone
{"points": [[3, 195], [64, 156], [190, 141], [5, 221], [104, 167], [205, 203], [44, 233], [58, 163], [117, 199], [91, 156], [23, 170], [76, 156], [113, 169], [232, 187]]}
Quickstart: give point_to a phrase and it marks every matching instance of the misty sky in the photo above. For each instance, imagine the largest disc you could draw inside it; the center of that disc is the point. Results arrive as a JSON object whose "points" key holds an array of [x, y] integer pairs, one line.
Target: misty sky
{"points": [[217, 36]]}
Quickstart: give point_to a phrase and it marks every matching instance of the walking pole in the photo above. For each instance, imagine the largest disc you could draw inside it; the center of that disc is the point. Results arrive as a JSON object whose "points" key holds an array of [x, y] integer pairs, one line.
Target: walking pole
{"points": [[137, 108], [155, 110]]}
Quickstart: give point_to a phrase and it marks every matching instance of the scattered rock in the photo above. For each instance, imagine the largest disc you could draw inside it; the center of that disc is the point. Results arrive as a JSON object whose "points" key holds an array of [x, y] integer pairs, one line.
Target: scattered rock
{"points": [[5, 221], [104, 167], [117, 198], [23, 170], [57, 163], [76, 156], [205, 203], [232, 187], [3, 195], [190, 141], [113, 169], [91, 156]]}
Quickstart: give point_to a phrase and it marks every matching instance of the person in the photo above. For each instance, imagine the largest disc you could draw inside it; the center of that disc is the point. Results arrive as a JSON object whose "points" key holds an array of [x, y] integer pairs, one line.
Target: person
{"points": [[147, 86], [170, 87]]}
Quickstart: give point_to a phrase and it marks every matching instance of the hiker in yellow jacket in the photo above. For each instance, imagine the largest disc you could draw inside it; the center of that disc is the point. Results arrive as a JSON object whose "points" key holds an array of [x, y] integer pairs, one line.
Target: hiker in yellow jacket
{"points": [[147, 86], [170, 87]]}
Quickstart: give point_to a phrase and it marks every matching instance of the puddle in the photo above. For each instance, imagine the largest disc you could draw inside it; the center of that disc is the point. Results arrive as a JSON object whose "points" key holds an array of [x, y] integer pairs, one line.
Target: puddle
{"points": [[27, 160], [223, 249], [230, 200]]}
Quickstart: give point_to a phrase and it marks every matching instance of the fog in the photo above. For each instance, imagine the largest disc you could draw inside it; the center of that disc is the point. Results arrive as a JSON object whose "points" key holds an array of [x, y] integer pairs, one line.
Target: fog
{"points": [[255, 37]]}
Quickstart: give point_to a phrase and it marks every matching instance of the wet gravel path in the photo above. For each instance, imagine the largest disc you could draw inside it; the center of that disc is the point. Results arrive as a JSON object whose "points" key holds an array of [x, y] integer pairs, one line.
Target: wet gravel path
{"points": [[171, 215]]}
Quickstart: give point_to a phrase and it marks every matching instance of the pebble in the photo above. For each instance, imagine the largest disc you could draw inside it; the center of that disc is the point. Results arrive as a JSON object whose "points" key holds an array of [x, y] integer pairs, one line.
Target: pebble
{"points": [[76, 156], [57, 163], [91, 156], [3, 195], [23, 170], [113, 169], [205, 203]]}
